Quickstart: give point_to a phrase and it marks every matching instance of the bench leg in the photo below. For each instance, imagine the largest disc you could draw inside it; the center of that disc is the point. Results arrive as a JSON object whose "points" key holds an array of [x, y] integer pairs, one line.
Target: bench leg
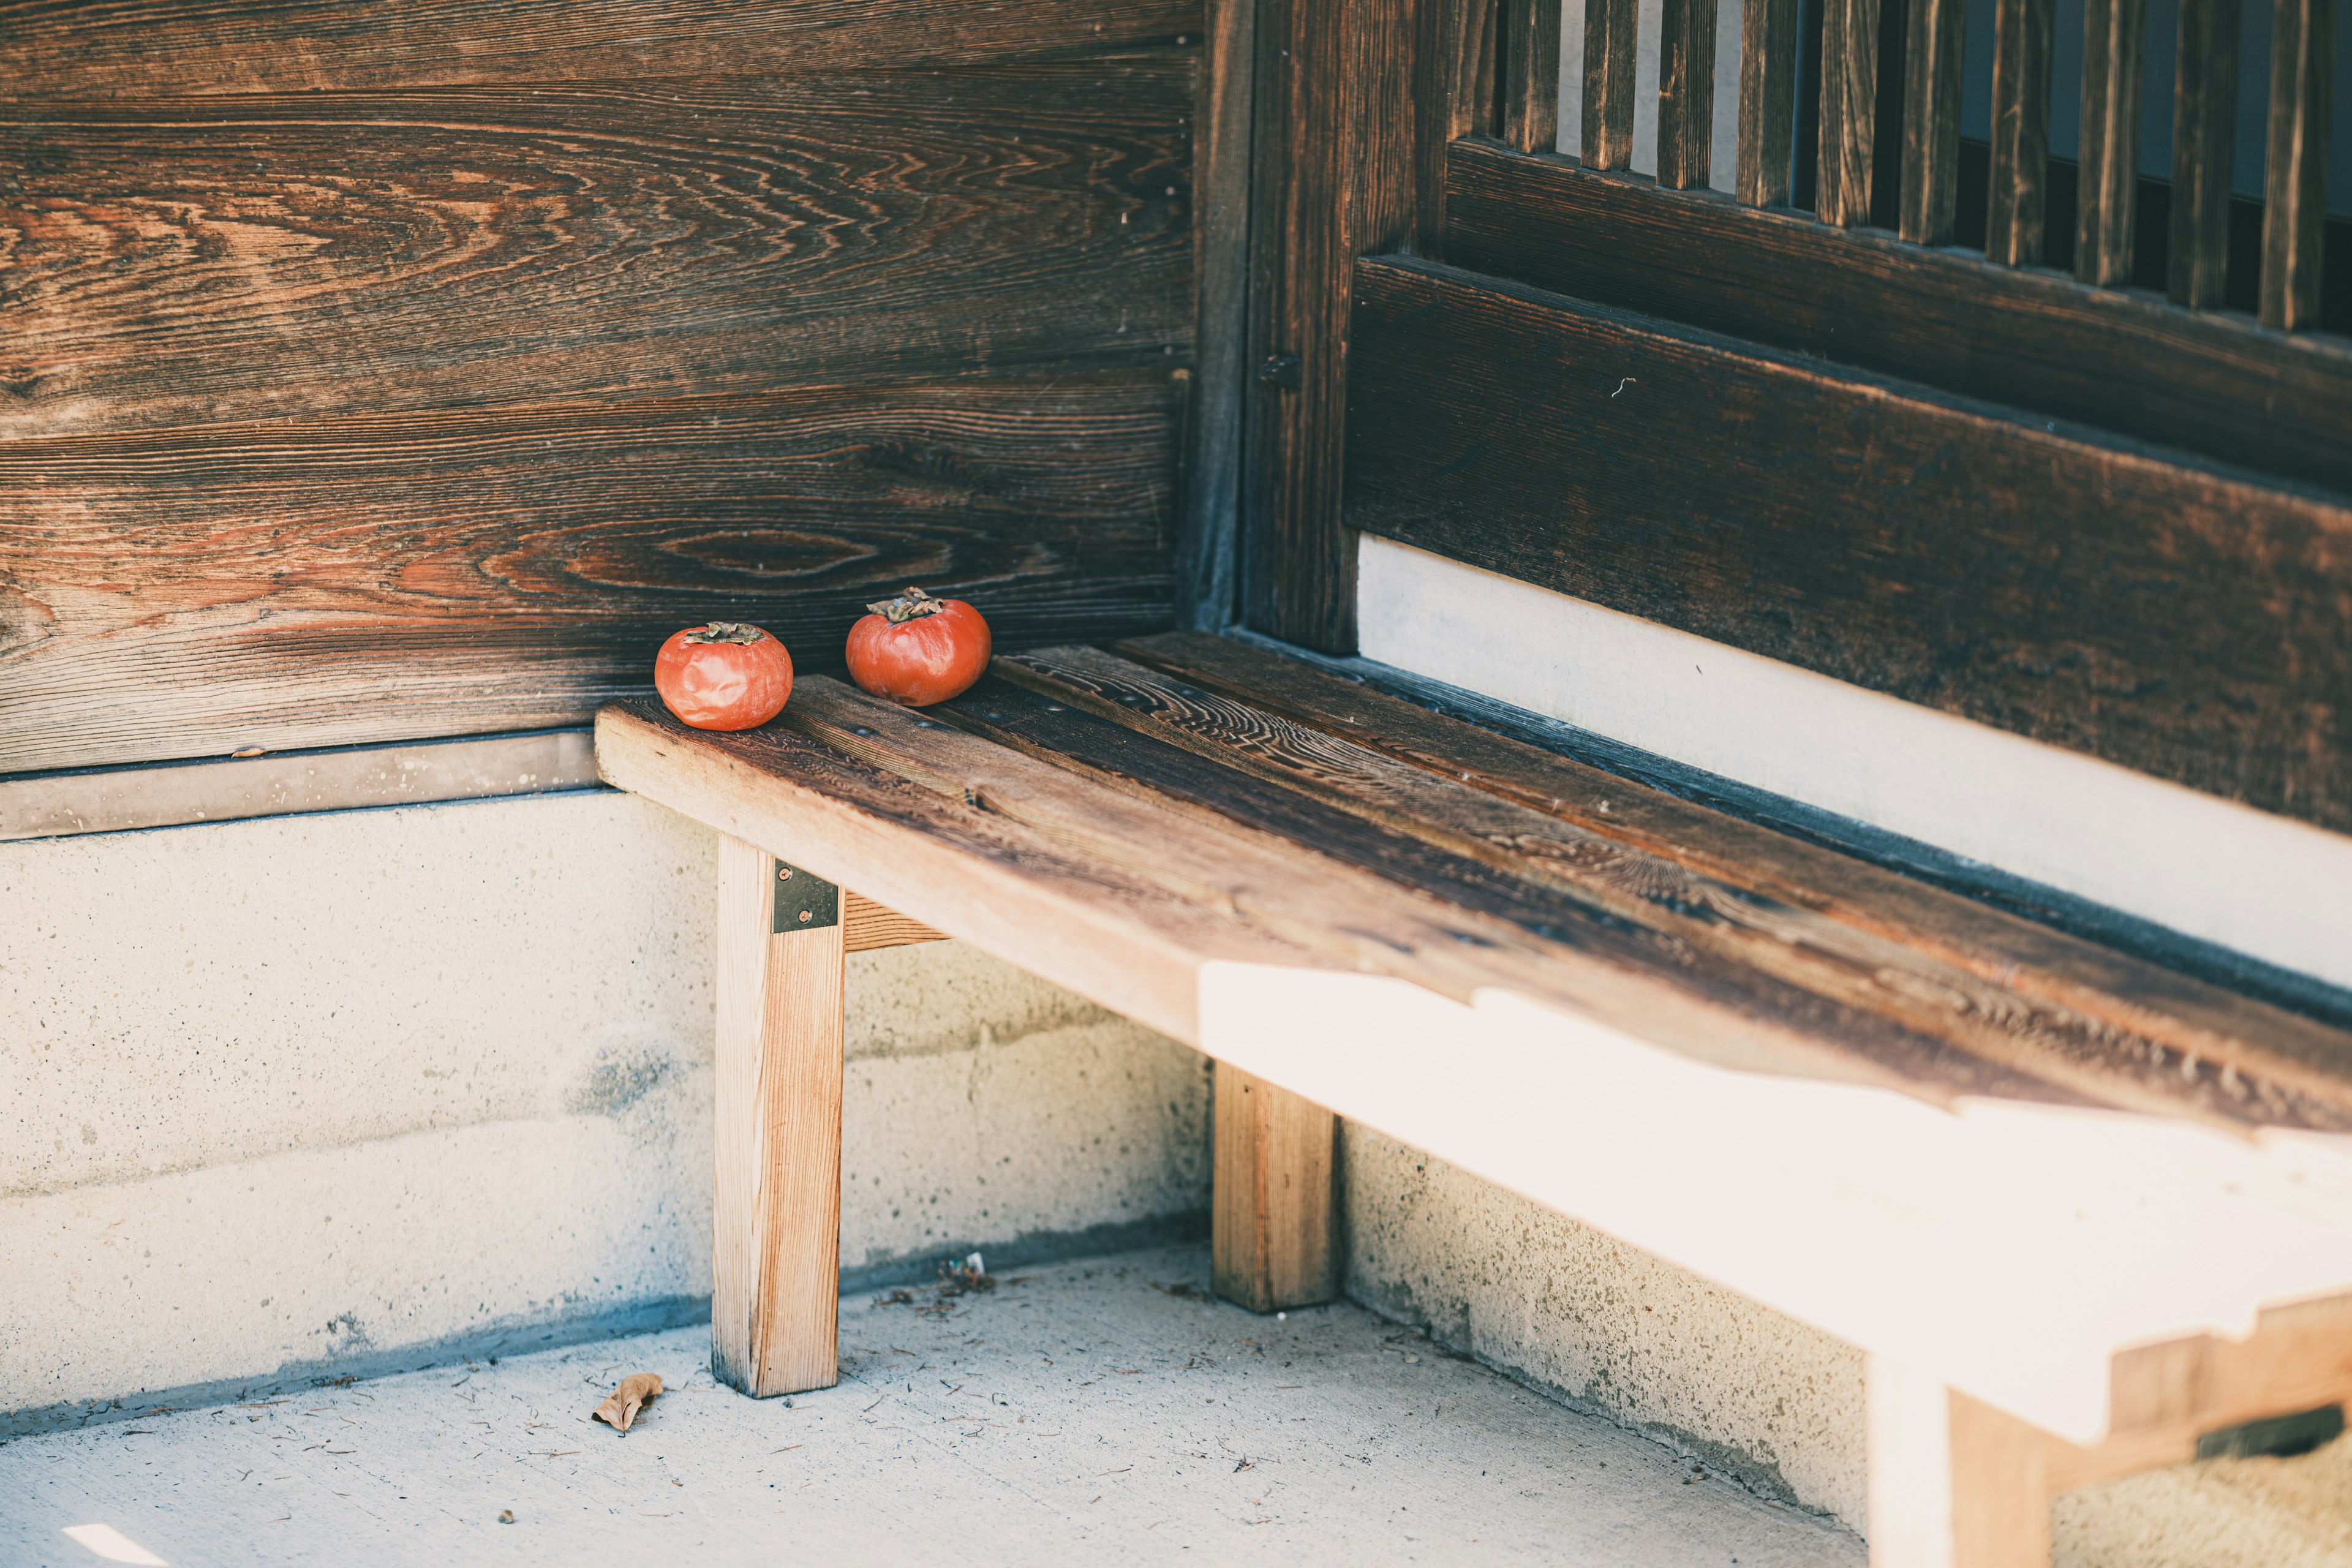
{"points": [[1953, 1483], [776, 1208], [1272, 1242]]}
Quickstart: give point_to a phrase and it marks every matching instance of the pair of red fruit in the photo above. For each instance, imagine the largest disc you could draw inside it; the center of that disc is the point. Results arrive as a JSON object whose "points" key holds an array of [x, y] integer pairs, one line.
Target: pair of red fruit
{"points": [[913, 650]]}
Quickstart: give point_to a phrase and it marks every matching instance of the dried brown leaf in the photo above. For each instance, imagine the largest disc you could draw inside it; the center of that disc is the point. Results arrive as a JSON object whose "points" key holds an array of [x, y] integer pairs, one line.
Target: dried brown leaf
{"points": [[622, 1408]]}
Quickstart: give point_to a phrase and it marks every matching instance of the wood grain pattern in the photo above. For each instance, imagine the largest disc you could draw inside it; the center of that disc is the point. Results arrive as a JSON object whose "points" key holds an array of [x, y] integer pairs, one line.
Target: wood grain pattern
{"points": [[1363, 895], [2207, 384], [1930, 192], [458, 573], [1208, 549], [140, 49], [1849, 126], [1453, 96], [2018, 191], [776, 1197], [1530, 72], [1272, 1232], [2204, 131], [1087, 925], [1685, 93], [1768, 101], [2106, 193], [1611, 46], [2295, 177], [198, 261], [2129, 996], [1336, 157], [2113, 1049], [866, 926], [2183, 621]]}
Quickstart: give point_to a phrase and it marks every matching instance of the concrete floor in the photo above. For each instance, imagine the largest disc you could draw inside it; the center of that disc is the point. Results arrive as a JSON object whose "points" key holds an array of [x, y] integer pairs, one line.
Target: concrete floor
{"points": [[1096, 1411]]}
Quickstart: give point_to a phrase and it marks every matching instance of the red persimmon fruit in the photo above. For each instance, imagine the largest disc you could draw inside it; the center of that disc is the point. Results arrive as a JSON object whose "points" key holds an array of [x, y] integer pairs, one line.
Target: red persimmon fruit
{"points": [[723, 676], [917, 650]]}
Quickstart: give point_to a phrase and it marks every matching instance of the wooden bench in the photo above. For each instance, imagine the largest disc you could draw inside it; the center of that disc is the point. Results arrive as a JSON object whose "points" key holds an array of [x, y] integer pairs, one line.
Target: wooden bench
{"points": [[2083, 1213]]}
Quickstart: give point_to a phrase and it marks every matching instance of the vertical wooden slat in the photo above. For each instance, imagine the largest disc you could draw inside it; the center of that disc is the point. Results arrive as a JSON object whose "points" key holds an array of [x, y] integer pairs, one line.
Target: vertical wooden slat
{"points": [[1531, 74], [1336, 150], [2017, 201], [1609, 57], [1685, 93], [1273, 1241], [1931, 120], [2114, 33], [1767, 100], [776, 1198], [1849, 110], [2204, 118], [2295, 187], [1454, 95], [1208, 562]]}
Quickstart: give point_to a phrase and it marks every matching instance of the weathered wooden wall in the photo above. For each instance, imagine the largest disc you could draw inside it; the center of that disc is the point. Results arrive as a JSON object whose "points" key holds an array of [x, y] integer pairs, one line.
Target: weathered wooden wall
{"points": [[390, 368]]}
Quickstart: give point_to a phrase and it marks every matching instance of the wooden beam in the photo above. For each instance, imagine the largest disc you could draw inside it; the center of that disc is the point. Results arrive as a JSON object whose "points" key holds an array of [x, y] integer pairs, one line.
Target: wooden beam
{"points": [[2106, 196], [2204, 133], [1930, 188], [1208, 558], [225, 789], [1849, 127], [2294, 201], [1768, 101], [1272, 1227], [776, 1204], [1336, 150], [2018, 193], [1948, 554], [1685, 93], [866, 925], [2209, 383]]}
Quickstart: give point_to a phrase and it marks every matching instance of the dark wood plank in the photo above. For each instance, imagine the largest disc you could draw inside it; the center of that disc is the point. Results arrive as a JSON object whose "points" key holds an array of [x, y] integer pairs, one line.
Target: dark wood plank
{"points": [[286, 586], [1453, 96], [2182, 1016], [1335, 155], [2295, 180], [1768, 101], [1859, 962], [207, 260], [1208, 551], [1849, 110], [171, 48], [1930, 186], [2107, 194], [1530, 73], [1611, 46], [2204, 127], [1685, 93], [2208, 383], [2018, 192], [1375, 895], [2184, 621]]}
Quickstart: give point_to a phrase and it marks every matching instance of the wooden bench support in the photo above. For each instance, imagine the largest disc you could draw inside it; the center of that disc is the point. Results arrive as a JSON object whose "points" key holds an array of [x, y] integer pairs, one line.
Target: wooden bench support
{"points": [[1272, 1242], [1957, 1483], [776, 1206]]}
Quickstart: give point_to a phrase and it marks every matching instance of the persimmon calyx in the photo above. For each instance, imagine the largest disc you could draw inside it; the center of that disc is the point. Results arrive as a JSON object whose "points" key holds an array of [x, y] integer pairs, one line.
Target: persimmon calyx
{"points": [[724, 631], [911, 606]]}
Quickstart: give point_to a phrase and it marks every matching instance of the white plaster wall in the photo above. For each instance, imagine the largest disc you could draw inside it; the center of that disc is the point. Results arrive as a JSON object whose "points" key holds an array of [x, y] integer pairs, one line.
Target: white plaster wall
{"points": [[310, 1090]]}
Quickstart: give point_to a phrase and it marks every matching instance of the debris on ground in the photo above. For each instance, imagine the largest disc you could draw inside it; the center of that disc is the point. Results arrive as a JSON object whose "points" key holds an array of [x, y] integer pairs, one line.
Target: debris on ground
{"points": [[621, 1407], [966, 1277]]}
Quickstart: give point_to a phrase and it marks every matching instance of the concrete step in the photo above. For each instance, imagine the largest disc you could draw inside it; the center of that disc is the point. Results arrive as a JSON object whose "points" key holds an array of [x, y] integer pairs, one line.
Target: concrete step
{"points": [[1103, 1411]]}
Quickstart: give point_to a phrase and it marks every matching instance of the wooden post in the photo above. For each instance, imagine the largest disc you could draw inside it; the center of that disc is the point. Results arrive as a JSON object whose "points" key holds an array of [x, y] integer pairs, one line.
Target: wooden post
{"points": [[1272, 1243], [1953, 1483], [776, 1206]]}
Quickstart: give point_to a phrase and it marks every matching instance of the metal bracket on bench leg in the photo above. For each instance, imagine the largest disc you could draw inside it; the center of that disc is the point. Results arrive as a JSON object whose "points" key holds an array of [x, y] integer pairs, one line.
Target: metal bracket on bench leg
{"points": [[804, 901]]}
